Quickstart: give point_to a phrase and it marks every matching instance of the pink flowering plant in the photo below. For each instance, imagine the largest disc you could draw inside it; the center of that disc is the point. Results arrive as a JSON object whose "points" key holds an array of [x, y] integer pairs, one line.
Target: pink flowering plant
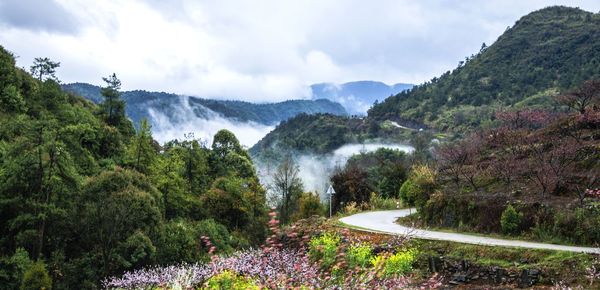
{"points": [[286, 261]]}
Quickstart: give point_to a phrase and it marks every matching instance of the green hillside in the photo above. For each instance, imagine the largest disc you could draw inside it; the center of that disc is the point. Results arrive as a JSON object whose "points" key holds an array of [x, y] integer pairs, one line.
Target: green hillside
{"points": [[83, 196], [545, 52]]}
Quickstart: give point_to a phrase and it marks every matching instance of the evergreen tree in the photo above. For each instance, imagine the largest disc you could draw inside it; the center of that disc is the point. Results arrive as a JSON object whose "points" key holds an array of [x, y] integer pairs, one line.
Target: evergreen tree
{"points": [[113, 106], [44, 68], [142, 152]]}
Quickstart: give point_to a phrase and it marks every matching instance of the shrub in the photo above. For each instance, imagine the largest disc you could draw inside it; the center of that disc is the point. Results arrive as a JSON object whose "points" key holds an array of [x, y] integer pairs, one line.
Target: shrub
{"points": [[309, 205], [419, 186], [379, 202], [397, 264], [406, 192], [510, 220], [230, 280], [324, 249], [36, 277], [359, 255], [351, 208], [12, 269]]}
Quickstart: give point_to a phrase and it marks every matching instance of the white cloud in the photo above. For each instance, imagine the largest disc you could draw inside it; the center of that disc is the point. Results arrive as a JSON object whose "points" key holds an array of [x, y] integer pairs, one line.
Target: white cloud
{"points": [[263, 50]]}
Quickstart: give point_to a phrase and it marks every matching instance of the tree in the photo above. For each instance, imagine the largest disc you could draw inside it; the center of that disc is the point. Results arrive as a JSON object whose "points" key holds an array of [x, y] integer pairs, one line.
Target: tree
{"points": [[350, 184], [113, 106], [196, 163], [581, 98], [510, 221], [225, 203], [309, 204], [460, 160], [552, 161], [44, 68], [419, 186], [142, 154], [36, 278], [115, 214], [287, 186], [224, 142], [407, 192], [228, 157], [39, 176]]}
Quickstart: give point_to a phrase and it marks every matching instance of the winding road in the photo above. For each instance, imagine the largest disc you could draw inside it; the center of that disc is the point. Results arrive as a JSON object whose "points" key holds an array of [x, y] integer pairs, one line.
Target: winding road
{"points": [[385, 222]]}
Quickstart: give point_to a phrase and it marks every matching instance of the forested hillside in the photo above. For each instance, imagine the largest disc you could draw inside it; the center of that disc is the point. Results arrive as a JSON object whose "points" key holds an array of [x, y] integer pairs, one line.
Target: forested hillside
{"points": [[545, 52], [139, 102], [84, 196]]}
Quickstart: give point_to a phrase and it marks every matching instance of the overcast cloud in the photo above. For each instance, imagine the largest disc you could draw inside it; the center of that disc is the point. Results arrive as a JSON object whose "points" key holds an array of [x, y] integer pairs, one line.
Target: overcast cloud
{"points": [[255, 50]]}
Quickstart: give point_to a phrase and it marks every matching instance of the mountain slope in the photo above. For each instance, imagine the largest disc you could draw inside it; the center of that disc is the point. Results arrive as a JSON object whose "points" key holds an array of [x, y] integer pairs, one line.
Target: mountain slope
{"points": [[140, 102], [357, 97], [545, 52]]}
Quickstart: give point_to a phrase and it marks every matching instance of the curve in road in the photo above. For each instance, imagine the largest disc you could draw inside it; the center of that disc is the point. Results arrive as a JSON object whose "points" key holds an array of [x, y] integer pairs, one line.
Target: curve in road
{"points": [[385, 222]]}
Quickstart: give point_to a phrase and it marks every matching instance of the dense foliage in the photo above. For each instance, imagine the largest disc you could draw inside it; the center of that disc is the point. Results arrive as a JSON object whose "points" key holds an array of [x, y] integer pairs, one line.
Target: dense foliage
{"points": [[83, 195]]}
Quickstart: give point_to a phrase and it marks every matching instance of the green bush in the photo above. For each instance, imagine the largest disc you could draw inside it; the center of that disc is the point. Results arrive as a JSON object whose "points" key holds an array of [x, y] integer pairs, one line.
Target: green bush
{"points": [[324, 249], [510, 221], [419, 186], [406, 192], [228, 280], [397, 264], [309, 204], [359, 255], [12, 269], [579, 226], [36, 278], [379, 202]]}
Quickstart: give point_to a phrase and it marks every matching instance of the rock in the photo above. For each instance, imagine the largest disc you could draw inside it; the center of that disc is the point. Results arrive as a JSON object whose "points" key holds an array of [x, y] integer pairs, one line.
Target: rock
{"points": [[464, 265], [435, 264], [460, 278], [499, 275], [528, 278]]}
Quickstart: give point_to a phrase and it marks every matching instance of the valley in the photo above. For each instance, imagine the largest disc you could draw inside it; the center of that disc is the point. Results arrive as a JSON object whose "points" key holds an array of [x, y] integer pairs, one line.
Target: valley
{"points": [[485, 176]]}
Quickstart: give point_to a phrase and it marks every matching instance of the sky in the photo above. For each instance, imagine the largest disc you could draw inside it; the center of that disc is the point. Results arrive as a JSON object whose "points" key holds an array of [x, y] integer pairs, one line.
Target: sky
{"points": [[259, 50]]}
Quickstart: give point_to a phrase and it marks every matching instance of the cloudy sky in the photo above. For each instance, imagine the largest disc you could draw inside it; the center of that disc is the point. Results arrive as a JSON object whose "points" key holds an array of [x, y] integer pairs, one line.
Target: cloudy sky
{"points": [[255, 50]]}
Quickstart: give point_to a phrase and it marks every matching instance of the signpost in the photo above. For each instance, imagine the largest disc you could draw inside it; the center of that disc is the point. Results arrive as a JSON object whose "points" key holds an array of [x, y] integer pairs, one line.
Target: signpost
{"points": [[330, 192]]}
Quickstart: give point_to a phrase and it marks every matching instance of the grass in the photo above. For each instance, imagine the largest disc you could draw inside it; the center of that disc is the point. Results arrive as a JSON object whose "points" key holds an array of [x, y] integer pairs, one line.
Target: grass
{"points": [[556, 265]]}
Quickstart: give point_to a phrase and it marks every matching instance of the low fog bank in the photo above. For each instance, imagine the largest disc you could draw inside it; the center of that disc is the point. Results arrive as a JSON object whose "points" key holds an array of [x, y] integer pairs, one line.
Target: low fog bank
{"points": [[183, 119], [315, 170]]}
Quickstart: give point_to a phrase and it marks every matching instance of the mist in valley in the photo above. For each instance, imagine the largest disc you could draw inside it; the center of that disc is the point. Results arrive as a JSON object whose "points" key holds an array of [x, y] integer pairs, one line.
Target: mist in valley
{"points": [[315, 170], [202, 122]]}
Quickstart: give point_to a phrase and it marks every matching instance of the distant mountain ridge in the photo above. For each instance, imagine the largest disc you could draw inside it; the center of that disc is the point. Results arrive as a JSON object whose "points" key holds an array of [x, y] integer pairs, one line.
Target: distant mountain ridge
{"points": [[357, 97], [139, 103]]}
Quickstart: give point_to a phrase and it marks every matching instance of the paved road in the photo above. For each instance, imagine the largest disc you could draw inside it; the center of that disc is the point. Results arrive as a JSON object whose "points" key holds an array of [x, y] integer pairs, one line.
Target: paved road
{"points": [[385, 222]]}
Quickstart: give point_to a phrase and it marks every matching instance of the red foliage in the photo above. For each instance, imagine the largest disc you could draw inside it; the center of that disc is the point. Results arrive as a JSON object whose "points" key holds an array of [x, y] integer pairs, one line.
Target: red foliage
{"points": [[583, 97], [529, 119]]}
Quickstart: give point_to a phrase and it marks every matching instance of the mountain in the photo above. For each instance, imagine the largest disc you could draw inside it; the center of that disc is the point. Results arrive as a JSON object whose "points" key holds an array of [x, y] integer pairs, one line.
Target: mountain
{"points": [[140, 102], [546, 52], [357, 97]]}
